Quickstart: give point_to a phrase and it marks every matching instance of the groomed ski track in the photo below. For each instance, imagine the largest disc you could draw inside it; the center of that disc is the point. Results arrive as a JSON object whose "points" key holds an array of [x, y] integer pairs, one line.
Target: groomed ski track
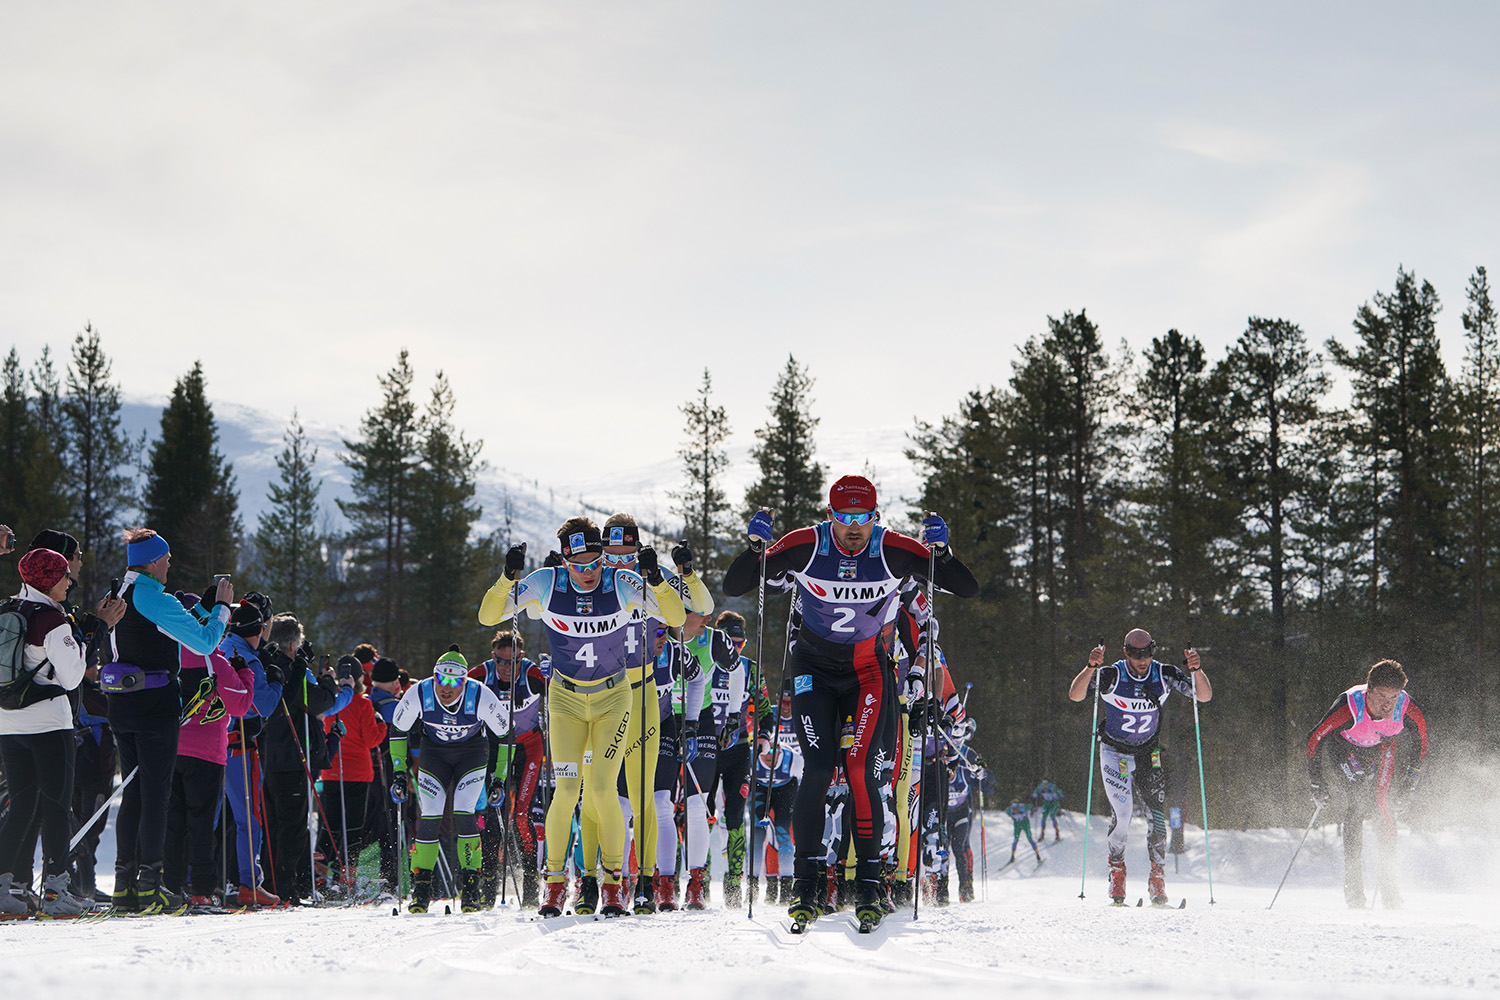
{"points": [[1033, 937]]}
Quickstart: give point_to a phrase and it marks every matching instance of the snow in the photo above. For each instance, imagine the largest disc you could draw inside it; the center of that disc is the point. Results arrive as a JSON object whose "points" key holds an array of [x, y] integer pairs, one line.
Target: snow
{"points": [[1030, 936]]}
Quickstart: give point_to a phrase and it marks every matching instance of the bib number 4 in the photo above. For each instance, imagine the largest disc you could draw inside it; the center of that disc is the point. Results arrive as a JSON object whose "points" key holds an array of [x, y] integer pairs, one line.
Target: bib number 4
{"points": [[586, 655]]}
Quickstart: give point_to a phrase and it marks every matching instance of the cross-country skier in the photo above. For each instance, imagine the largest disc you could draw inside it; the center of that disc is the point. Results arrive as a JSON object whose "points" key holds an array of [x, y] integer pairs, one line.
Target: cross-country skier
{"points": [[1048, 798], [848, 571], [724, 671], [1020, 819], [588, 610], [1374, 771], [967, 775], [453, 712], [777, 769], [1132, 691]]}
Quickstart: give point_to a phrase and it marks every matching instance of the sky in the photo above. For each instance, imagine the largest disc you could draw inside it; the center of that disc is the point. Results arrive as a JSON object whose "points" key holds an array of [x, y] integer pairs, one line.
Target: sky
{"points": [[575, 208]]}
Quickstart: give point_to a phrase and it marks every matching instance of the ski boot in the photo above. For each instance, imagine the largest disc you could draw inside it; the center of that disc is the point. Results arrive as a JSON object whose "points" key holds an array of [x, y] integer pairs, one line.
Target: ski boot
{"points": [[124, 898], [1012, 857], [587, 902], [901, 891], [826, 891], [471, 896], [421, 890], [886, 903], [152, 896], [1117, 881], [489, 887], [940, 889], [804, 907], [733, 892], [57, 902], [1037, 851], [1156, 885], [553, 898], [645, 901], [696, 897], [785, 895], [11, 907], [666, 893], [842, 894], [867, 908], [965, 888], [528, 880], [255, 896], [612, 901]]}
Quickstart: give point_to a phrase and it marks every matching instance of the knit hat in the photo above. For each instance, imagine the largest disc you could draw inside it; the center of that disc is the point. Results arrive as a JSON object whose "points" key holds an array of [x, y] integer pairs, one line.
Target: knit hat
{"points": [[451, 667], [57, 541], [42, 568], [385, 670], [852, 493], [246, 619]]}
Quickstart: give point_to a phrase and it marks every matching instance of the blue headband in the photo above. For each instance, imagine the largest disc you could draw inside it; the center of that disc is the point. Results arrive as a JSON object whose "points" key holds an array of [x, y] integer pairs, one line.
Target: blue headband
{"points": [[145, 552]]}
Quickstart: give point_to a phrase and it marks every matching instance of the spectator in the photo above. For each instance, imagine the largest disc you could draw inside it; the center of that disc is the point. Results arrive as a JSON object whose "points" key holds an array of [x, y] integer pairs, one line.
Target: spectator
{"points": [[216, 689], [385, 695], [249, 630], [366, 655], [346, 784], [36, 734], [144, 705], [93, 778]]}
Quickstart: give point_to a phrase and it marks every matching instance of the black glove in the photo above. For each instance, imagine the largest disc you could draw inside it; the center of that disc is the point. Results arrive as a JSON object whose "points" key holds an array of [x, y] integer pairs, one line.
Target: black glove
{"points": [[238, 662], [647, 563], [496, 791], [515, 561], [400, 786], [274, 674], [553, 559], [916, 719], [305, 651], [731, 730], [1319, 794], [682, 558]]}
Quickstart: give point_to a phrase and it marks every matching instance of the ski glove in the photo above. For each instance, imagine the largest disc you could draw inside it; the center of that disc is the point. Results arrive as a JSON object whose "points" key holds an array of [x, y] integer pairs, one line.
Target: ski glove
{"points": [[682, 558], [1319, 795], [496, 790], [515, 561], [916, 721], [399, 788], [731, 731], [553, 560], [935, 533], [649, 565], [759, 530], [690, 741]]}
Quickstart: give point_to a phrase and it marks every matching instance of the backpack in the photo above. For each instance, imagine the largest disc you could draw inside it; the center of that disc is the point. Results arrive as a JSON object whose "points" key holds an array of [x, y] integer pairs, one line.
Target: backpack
{"points": [[17, 689]]}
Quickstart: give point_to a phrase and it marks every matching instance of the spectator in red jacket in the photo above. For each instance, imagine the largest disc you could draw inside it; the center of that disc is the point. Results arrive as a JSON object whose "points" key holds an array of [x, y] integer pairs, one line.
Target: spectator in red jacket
{"points": [[346, 783]]}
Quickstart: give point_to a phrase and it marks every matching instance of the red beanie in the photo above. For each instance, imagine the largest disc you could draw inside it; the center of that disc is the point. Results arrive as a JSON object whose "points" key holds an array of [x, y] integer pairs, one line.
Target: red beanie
{"points": [[852, 493], [42, 568]]}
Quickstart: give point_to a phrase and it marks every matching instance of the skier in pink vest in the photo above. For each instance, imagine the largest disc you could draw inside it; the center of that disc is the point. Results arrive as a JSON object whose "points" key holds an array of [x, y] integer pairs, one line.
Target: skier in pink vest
{"points": [[1369, 719]]}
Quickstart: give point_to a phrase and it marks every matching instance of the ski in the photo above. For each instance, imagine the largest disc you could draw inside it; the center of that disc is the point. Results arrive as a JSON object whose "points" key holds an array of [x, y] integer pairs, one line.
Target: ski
{"points": [[799, 924], [1165, 904], [867, 922]]}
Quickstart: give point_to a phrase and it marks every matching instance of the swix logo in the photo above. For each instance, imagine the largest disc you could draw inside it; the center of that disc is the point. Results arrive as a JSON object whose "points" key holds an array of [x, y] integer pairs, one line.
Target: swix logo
{"points": [[872, 592], [809, 732], [816, 589]]}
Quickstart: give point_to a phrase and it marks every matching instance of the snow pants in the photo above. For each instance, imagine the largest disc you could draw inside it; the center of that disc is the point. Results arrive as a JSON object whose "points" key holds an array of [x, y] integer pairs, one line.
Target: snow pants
{"points": [[39, 775]]}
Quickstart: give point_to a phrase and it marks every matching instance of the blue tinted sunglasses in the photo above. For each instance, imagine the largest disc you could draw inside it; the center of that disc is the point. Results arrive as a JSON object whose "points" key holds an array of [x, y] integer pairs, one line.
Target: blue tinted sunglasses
{"points": [[450, 682], [615, 560], [864, 518], [586, 567]]}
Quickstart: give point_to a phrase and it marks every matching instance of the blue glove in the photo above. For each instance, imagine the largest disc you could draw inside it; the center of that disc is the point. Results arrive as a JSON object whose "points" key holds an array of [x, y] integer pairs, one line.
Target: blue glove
{"points": [[496, 790], [399, 788], [690, 748], [935, 532], [759, 530]]}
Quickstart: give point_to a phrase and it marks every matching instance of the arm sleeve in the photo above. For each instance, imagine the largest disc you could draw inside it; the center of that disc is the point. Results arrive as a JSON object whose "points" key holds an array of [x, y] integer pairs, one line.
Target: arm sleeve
{"points": [[66, 656], [407, 710], [493, 713], [504, 599], [787, 555], [695, 682], [371, 726], [236, 687], [698, 598], [167, 613], [1418, 720], [908, 557], [341, 700], [659, 601], [1180, 682], [1338, 715]]}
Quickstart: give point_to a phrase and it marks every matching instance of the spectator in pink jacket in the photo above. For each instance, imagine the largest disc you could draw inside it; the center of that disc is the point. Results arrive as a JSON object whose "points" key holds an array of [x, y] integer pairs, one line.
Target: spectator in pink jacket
{"points": [[213, 691]]}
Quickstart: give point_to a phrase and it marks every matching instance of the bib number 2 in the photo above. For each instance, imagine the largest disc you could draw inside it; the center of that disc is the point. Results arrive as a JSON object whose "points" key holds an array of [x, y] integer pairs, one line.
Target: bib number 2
{"points": [[841, 622]]}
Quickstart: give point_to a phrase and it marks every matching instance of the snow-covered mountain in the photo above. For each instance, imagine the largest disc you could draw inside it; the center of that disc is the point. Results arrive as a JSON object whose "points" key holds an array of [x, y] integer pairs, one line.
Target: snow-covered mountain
{"points": [[523, 505]]}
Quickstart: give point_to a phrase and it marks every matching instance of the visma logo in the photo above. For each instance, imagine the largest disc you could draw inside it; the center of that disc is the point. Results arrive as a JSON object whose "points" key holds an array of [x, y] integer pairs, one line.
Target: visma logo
{"points": [[816, 589]]}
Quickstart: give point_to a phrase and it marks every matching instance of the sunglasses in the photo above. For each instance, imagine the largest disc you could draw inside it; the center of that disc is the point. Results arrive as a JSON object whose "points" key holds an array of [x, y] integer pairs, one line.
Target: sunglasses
{"points": [[587, 567], [615, 560], [450, 682], [864, 518], [660, 632], [505, 659], [1131, 653]]}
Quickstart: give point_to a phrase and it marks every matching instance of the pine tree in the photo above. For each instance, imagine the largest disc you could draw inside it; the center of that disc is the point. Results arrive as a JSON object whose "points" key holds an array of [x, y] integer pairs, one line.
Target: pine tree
{"points": [[383, 463], [35, 493], [1479, 430], [100, 460], [446, 570], [791, 482], [702, 504], [289, 561], [190, 497]]}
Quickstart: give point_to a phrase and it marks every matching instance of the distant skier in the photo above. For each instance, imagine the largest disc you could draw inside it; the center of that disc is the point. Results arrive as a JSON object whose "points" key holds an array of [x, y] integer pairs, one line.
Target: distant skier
{"points": [[1373, 716], [1048, 798], [1132, 691], [1020, 818]]}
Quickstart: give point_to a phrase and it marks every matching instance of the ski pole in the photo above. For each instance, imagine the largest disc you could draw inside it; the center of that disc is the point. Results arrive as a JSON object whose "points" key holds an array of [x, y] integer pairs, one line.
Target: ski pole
{"points": [[984, 855], [648, 667], [1088, 802], [503, 808], [922, 792], [1317, 808], [113, 797], [760, 655], [1202, 790], [312, 829], [965, 703]]}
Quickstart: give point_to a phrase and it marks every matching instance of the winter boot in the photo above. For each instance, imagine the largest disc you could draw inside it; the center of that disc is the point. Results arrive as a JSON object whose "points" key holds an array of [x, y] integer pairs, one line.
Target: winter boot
{"points": [[421, 890], [152, 896], [665, 888], [554, 896], [1156, 885], [965, 889], [645, 896], [124, 898], [733, 894], [11, 907], [256, 896], [471, 895], [696, 897], [612, 901], [867, 908], [58, 903], [785, 893], [1117, 880], [587, 902]]}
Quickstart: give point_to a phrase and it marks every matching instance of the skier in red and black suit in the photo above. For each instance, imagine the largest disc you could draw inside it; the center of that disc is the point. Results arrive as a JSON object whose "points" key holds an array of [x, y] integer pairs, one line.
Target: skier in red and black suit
{"points": [[848, 572], [1369, 719]]}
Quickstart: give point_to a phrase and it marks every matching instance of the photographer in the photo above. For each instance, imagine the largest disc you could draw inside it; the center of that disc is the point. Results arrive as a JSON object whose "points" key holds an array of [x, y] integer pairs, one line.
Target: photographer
{"points": [[346, 784], [36, 733], [145, 705], [292, 745]]}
